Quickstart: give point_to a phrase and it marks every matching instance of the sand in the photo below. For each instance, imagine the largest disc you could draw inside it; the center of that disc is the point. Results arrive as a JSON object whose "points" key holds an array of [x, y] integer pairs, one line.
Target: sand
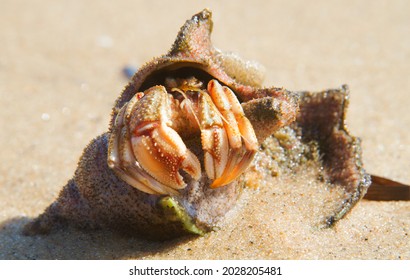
{"points": [[61, 70]]}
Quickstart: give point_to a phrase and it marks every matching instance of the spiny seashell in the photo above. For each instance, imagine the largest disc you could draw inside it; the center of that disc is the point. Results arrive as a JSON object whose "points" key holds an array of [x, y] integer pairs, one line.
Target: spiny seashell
{"points": [[181, 134]]}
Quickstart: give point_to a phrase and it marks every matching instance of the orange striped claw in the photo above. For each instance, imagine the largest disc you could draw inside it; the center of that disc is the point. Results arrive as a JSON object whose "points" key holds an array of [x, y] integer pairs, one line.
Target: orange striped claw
{"points": [[149, 153]]}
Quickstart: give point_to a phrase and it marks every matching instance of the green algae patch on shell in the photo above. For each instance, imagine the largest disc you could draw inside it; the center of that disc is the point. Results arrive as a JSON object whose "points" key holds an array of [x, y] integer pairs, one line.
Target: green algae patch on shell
{"points": [[175, 212]]}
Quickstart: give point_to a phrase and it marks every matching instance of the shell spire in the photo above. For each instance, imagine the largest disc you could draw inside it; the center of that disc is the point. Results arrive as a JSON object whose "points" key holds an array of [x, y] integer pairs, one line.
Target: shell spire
{"points": [[194, 37]]}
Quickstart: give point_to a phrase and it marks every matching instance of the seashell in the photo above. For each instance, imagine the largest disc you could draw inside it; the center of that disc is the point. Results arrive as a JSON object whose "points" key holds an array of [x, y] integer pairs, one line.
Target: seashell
{"points": [[184, 131]]}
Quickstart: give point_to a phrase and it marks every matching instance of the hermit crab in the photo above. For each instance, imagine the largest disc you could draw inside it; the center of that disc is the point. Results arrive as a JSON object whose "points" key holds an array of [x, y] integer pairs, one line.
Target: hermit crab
{"points": [[182, 134]]}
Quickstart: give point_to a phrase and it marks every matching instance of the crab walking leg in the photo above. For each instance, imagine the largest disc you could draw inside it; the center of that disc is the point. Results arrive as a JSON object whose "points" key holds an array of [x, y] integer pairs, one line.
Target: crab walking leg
{"points": [[247, 133], [157, 147], [244, 125], [213, 137], [232, 130], [242, 139], [224, 106]]}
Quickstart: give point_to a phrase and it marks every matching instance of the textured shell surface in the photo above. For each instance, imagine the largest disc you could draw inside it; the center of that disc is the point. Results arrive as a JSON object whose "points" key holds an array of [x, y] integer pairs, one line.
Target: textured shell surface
{"points": [[99, 196]]}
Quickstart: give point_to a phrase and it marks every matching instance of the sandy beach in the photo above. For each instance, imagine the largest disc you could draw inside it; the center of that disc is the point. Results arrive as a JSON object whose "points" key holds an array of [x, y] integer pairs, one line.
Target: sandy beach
{"points": [[61, 69]]}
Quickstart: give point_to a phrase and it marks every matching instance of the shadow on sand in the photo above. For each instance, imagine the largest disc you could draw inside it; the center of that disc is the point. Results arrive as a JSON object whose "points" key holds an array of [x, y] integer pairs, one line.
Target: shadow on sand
{"points": [[71, 243]]}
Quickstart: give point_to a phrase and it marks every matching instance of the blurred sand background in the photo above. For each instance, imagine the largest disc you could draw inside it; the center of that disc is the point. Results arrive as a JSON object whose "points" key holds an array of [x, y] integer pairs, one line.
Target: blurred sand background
{"points": [[60, 72]]}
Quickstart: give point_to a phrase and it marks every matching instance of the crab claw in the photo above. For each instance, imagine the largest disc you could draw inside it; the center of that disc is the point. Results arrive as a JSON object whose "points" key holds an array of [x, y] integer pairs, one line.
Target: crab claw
{"points": [[122, 160], [242, 141], [145, 151], [162, 153]]}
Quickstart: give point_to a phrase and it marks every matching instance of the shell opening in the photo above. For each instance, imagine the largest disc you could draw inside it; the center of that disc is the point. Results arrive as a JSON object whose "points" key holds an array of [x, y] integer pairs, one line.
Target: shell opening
{"points": [[159, 76]]}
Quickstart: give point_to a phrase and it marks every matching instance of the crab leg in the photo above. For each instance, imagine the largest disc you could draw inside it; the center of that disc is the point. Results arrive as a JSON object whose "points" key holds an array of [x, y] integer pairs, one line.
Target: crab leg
{"points": [[242, 139], [213, 137]]}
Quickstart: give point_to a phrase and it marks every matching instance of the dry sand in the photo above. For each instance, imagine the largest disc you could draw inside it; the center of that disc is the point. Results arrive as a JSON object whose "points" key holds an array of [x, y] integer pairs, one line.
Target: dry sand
{"points": [[60, 72]]}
